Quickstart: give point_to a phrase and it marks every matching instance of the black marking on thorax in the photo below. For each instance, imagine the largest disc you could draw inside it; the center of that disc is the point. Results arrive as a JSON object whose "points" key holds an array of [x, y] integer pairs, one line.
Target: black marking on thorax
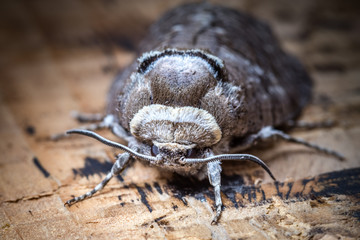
{"points": [[218, 68]]}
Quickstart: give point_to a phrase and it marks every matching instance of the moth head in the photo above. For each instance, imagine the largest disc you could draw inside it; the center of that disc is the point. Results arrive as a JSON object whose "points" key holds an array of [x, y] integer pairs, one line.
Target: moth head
{"points": [[173, 152], [174, 133]]}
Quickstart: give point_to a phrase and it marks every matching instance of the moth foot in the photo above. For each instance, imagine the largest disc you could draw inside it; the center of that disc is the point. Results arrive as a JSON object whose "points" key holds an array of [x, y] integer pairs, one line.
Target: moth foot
{"points": [[78, 199], [70, 202], [217, 216], [87, 117], [99, 122]]}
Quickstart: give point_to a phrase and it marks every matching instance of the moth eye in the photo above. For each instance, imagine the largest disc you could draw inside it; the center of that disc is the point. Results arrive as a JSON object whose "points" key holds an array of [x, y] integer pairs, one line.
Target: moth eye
{"points": [[154, 150], [191, 153]]}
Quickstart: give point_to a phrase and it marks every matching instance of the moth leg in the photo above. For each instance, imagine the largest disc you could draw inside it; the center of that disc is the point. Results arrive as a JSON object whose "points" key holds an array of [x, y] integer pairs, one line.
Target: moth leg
{"points": [[116, 169], [88, 117], [106, 122], [214, 174], [268, 132], [120, 132], [309, 125]]}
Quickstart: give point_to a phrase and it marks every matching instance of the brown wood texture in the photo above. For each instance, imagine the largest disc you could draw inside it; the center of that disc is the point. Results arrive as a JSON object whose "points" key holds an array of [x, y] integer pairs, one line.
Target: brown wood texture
{"points": [[62, 56]]}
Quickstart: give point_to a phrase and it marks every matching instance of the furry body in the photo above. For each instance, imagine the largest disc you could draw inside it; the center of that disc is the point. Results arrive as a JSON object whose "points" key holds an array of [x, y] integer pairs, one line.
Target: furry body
{"points": [[206, 75], [261, 86]]}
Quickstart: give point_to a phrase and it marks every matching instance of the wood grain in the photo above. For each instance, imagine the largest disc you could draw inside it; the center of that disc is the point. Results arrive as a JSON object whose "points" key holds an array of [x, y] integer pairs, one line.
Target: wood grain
{"points": [[59, 57]]}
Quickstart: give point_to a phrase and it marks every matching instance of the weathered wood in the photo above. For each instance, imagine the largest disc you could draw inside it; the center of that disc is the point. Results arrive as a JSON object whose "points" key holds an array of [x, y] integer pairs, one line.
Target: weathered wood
{"points": [[60, 57]]}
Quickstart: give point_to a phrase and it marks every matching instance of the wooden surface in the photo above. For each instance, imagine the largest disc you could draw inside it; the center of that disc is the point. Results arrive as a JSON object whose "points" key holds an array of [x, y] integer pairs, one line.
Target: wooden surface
{"points": [[62, 56]]}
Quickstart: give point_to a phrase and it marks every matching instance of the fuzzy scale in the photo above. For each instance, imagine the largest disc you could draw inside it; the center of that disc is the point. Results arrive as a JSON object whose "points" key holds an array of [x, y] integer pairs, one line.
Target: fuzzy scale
{"points": [[206, 76], [263, 87], [184, 125]]}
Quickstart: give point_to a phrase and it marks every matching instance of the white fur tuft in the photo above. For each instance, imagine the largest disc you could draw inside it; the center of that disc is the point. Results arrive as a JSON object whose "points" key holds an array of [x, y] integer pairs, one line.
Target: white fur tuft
{"points": [[157, 112]]}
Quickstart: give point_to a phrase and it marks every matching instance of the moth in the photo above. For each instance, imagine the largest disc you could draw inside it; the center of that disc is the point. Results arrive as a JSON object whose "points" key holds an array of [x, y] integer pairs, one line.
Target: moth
{"points": [[208, 80]]}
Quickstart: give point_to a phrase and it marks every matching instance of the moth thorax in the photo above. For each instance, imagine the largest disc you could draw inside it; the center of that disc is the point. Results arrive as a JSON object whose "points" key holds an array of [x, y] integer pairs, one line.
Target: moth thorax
{"points": [[180, 125], [182, 79]]}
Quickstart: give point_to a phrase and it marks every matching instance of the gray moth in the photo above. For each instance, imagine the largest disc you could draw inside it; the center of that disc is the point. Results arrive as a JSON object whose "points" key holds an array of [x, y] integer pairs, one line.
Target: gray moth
{"points": [[208, 80]]}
